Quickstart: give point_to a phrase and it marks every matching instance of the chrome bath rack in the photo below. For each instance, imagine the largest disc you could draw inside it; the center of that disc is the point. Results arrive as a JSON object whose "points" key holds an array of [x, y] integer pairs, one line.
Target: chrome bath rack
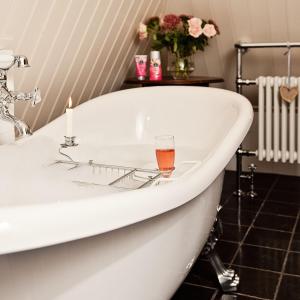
{"points": [[96, 174], [122, 177]]}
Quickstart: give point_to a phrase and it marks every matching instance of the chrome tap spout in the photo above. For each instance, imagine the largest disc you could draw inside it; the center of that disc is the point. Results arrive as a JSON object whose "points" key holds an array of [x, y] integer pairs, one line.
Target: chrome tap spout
{"points": [[8, 97], [22, 128]]}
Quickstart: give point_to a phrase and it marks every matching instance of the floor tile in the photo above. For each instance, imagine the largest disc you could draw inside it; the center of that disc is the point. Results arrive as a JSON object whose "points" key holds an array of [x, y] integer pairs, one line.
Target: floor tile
{"points": [[279, 208], [289, 288], [261, 181], [264, 181], [244, 217], [233, 233], [293, 264], [296, 242], [226, 250], [257, 283], [289, 183], [229, 181], [221, 296], [261, 193], [275, 222], [243, 204], [224, 197], [284, 196], [298, 226], [192, 292], [203, 274], [268, 238], [261, 258]]}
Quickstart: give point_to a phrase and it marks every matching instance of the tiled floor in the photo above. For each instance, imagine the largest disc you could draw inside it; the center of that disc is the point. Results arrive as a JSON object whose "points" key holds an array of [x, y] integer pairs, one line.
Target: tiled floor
{"points": [[261, 241]]}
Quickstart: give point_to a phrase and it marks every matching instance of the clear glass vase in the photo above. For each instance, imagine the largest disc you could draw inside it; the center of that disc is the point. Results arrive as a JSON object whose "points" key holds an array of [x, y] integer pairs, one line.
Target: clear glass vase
{"points": [[180, 67]]}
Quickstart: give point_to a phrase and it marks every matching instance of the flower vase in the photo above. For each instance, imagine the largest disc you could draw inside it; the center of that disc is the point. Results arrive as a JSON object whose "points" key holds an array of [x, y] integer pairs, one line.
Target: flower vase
{"points": [[180, 67]]}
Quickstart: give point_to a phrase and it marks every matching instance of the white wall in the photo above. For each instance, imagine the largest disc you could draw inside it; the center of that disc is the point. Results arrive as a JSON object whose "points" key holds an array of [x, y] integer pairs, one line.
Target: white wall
{"points": [[249, 21], [81, 48]]}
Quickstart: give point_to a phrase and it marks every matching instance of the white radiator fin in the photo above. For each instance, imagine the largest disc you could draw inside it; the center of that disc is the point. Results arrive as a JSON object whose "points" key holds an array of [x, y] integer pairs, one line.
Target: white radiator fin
{"points": [[278, 121]]}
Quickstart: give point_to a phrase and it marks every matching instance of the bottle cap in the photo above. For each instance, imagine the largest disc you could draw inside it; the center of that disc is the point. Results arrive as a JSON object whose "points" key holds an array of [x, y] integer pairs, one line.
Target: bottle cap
{"points": [[155, 55], [141, 56]]}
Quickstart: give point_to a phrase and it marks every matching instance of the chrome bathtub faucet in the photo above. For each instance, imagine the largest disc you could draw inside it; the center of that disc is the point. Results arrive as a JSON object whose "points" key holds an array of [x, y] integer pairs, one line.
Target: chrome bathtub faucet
{"points": [[8, 97]]}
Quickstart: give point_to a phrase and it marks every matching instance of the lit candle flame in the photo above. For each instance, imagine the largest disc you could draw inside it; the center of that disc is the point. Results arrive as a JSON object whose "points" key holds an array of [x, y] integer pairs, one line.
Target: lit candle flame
{"points": [[70, 102]]}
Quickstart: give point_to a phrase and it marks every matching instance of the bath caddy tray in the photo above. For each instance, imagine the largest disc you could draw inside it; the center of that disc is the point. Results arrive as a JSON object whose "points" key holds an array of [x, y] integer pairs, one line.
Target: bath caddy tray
{"points": [[91, 173]]}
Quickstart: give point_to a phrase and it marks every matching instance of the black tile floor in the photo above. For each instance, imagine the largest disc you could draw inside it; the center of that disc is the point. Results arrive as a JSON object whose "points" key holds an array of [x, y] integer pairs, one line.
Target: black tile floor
{"points": [[261, 241]]}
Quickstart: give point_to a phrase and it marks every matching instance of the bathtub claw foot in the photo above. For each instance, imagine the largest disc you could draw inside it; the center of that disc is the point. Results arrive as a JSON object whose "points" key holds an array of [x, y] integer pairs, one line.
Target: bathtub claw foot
{"points": [[228, 278]]}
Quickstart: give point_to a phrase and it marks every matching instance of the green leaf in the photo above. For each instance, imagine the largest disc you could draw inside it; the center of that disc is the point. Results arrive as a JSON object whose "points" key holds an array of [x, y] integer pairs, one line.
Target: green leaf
{"points": [[175, 46]]}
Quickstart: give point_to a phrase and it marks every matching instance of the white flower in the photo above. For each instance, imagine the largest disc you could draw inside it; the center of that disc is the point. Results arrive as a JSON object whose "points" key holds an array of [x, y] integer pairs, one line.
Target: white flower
{"points": [[209, 30], [143, 34], [195, 29]]}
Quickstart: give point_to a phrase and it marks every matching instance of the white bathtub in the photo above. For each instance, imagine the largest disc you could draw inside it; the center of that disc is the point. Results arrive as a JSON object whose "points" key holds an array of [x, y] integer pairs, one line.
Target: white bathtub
{"points": [[60, 240]]}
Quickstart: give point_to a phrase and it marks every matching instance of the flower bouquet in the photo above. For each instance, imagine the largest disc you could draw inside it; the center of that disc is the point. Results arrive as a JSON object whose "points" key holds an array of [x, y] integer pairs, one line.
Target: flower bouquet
{"points": [[181, 35]]}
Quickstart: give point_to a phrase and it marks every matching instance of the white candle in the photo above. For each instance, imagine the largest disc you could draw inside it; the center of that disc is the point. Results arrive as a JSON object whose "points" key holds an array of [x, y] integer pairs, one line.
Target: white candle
{"points": [[69, 113]]}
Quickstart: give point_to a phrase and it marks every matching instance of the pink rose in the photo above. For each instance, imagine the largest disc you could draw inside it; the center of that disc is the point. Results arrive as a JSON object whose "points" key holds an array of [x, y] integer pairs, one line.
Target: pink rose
{"points": [[195, 29], [143, 34], [170, 21], [209, 30]]}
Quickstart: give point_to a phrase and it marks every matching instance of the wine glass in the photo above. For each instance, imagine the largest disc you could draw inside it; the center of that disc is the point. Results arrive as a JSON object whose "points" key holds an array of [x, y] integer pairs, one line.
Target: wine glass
{"points": [[165, 154]]}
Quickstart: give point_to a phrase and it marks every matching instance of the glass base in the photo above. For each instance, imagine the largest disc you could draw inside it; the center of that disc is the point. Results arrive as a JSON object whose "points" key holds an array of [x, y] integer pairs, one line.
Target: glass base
{"points": [[166, 173], [181, 67]]}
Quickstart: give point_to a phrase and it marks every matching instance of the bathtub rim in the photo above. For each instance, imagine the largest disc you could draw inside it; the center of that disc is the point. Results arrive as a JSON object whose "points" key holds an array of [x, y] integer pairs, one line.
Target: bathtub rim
{"points": [[22, 220]]}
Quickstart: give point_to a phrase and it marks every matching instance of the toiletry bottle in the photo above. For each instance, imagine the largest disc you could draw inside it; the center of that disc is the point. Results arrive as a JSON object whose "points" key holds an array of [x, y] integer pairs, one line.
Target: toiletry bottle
{"points": [[141, 66], [155, 66]]}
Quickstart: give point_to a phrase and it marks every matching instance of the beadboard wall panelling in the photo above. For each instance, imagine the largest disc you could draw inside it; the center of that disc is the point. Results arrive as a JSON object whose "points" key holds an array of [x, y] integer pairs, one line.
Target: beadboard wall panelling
{"points": [[82, 48]]}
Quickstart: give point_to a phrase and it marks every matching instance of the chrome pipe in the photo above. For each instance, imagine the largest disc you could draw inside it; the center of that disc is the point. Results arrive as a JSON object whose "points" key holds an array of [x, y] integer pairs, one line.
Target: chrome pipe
{"points": [[239, 167], [239, 70], [240, 81], [247, 152], [242, 45]]}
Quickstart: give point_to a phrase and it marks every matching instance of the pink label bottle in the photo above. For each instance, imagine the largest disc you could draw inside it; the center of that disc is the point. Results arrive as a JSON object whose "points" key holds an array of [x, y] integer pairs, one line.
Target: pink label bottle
{"points": [[141, 66], [155, 66]]}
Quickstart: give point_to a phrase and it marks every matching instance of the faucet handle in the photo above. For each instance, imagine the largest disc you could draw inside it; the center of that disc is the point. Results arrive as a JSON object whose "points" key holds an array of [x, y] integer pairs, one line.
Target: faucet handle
{"points": [[35, 96]]}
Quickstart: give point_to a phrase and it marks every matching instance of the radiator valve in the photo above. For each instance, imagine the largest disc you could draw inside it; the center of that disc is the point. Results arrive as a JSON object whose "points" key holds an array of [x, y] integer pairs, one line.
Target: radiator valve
{"points": [[252, 194]]}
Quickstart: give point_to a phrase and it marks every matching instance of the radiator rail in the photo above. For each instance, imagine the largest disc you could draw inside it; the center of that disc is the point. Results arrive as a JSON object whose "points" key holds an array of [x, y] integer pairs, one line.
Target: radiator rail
{"points": [[279, 122]]}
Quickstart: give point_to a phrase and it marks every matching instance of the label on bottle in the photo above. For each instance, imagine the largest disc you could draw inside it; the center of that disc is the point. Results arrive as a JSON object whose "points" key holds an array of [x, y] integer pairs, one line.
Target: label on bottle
{"points": [[155, 69]]}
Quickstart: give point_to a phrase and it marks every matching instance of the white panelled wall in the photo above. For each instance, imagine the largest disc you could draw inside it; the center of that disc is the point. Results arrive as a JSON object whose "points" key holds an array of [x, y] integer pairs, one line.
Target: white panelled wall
{"points": [[81, 48]]}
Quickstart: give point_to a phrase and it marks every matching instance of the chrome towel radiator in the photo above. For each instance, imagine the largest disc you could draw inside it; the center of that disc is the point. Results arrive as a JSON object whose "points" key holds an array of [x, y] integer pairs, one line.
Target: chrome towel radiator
{"points": [[279, 123]]}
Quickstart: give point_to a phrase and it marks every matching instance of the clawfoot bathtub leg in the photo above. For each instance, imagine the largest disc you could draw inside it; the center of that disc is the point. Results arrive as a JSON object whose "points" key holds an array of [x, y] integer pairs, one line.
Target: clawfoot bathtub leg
{"points": [[228, 278]]}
